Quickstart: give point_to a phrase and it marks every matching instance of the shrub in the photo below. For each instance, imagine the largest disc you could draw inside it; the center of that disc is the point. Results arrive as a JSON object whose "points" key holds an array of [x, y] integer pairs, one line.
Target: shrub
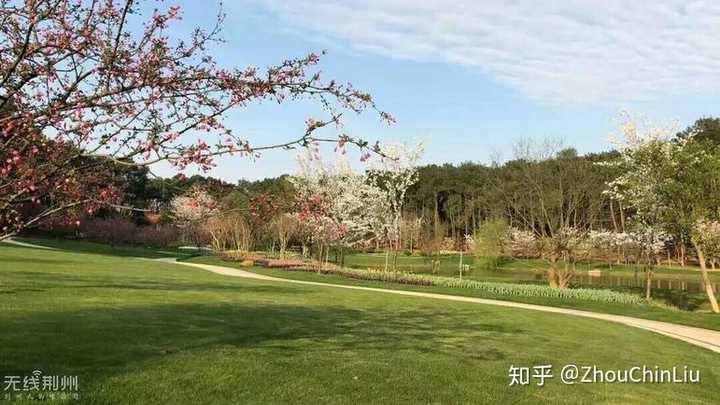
{"points": [[157, 235], [110, 230], [489, 242], [229, 231]]}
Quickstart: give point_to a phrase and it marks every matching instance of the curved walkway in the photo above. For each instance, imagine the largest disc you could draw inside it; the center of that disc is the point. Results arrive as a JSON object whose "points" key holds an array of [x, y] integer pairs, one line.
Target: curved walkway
{"points": [[709, 339]]}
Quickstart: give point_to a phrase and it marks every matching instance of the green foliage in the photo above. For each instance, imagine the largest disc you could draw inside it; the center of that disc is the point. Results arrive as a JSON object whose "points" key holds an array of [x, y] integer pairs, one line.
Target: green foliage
{"points": [[489, 242], [705, 129]]}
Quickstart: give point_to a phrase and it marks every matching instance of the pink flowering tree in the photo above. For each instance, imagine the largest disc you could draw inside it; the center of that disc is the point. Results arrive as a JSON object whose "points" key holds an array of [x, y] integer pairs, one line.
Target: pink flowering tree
{"points": [[191, 211], [79, 88]]}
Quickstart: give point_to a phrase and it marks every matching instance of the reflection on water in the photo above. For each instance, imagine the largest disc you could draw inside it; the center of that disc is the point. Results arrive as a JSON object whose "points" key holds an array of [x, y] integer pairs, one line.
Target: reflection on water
{"points": [[676, 291], [638, 281], [604, 280]]}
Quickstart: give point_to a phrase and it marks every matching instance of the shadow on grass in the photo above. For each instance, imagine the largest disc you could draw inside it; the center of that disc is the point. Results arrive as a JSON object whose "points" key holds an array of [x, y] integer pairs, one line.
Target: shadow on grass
{"points": [[78, 246], [35, 260], [98, 344], [34, 281]]}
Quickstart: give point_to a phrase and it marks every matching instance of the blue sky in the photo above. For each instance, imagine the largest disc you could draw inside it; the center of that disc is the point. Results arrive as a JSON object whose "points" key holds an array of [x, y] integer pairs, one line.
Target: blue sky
{"points": [[472, 80]]}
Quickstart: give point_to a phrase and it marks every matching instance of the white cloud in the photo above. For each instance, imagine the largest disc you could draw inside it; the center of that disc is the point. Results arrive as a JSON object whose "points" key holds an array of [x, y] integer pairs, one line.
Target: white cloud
{"points": [[566, 51]]}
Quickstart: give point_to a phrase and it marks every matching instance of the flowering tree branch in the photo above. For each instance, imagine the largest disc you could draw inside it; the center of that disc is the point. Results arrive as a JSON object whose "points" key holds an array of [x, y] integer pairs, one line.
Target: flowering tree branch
{"points": [[79, 91]]}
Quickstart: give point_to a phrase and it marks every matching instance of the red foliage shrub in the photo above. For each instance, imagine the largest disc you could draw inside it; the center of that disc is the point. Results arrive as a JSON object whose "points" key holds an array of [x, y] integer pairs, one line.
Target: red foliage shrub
{"points": [[110, 230], [157, 235]]}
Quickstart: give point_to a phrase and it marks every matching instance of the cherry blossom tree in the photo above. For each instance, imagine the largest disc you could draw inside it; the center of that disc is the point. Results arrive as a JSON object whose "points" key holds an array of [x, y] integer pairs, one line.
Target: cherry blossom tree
{"points": [[338, 207], [394, 172], [191, 211], [83, 80], [612, 244]]}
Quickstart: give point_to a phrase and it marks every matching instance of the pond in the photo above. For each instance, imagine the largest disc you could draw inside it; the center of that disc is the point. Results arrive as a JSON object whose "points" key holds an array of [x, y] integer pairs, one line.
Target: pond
{"points": [[674, 285]]}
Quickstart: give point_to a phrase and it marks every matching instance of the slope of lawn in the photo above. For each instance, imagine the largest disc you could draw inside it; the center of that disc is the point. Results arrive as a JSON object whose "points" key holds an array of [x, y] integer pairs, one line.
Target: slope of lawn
{"points": [[141, 331], [101, 248]]}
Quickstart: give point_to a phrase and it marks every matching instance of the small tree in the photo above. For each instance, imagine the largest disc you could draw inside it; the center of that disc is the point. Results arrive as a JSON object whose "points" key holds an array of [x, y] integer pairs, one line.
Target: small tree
{"points": [[191, 211], [649, 242], [336, 206], [707, 236], [284, 227], [567, 245], [490, 240], [522, 243], [229, 230], [394, 172]]}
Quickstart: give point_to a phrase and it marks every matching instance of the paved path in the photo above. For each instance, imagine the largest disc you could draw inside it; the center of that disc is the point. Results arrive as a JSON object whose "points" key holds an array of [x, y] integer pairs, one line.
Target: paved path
{"points": [[709, 339]]}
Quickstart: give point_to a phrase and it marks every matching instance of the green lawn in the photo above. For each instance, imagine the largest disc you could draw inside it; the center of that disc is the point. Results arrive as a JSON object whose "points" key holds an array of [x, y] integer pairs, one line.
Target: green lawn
{"points": [[139, 331], [99, 248], [702, 319]]}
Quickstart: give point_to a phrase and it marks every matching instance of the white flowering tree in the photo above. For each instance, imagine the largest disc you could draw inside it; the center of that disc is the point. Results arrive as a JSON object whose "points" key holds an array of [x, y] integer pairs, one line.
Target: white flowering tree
{"points": [[707, 235], [649, 242], [336, 206], [394, 172], [671, 184], [613, 245], [522, 243]]}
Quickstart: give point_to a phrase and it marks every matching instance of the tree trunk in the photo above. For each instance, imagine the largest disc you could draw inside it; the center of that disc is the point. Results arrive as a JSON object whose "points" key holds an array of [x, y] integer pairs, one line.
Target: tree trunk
{"points": [[565, 277], [395, 255], [682, 254], [552, 275], [648, 284], [706, 279]]}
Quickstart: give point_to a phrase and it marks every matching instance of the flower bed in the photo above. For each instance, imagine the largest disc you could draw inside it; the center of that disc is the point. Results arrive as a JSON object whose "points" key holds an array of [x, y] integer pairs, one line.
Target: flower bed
{"points": [[497, 289], [255, 260], [279, 262]]}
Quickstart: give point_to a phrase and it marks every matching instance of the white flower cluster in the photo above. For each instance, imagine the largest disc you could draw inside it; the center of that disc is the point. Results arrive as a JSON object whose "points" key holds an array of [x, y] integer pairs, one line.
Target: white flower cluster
{"points": [[644, 239], [707, 234], [522, 243]]}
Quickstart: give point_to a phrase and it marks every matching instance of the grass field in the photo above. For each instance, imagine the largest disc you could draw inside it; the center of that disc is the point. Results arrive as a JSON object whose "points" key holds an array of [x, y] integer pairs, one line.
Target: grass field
{"points": [[702, 319], [139, 331]]}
